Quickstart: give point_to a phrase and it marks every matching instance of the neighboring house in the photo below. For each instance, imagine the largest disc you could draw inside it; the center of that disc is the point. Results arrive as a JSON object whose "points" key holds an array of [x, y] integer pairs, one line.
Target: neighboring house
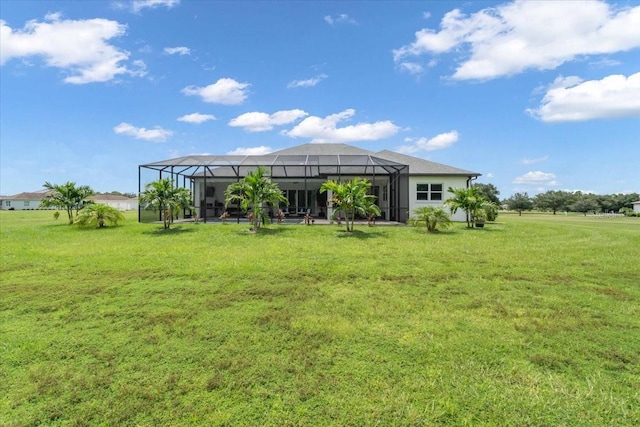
{"points": [[31, 201], [24, 201], [400, 182], [116, 201], [636, 206]]}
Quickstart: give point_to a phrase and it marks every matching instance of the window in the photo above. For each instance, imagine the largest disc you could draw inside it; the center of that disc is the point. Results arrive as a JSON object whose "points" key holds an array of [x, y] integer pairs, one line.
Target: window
{"points": [[429, 192], [26, 203], [7, 203]]}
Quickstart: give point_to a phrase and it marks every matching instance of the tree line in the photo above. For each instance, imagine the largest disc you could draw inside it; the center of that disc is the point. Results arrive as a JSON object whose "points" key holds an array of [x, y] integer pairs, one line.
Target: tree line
{"points": [[566, 201], [555, 201]]}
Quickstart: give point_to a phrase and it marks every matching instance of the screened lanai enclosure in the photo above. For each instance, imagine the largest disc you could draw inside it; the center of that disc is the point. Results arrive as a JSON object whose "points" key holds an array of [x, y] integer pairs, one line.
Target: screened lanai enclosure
{"points": [[299, 176]]}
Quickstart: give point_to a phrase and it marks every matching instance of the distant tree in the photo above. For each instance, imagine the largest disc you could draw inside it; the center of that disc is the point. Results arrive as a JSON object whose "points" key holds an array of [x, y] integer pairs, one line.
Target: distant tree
{"points": [[615, 202], [253, 193], [553, 201], [67, 196], [161, 195], [585, 203], [351, 197], [431, 217], [519, 202], [489, 191], [98, 215]]}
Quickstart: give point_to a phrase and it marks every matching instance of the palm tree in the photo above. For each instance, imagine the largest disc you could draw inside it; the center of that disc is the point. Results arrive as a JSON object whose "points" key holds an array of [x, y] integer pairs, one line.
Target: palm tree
{"points": [[98, 215], [253, 192], [161, 195], [181, 199], [67, 196], [351, 198], [468, 199], [432, 217]]}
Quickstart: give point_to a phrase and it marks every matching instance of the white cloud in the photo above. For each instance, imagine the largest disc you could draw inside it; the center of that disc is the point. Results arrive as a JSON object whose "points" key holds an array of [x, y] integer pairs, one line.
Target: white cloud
{"points": [[438, 142], [411, 67], [513, 37], [179, 50], [79, 47], [342, 18], [526, 161], [138, 5], [537, 178], [573, 100], [260, 122], [323, 130], [156, 134], [308, 82], [605, 62], [225, 91], [250, 151], [196, 118]]}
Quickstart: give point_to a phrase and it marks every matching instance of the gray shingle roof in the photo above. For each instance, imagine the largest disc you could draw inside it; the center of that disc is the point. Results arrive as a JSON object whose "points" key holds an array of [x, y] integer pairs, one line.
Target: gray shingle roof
{"points": [[34, 195], [324, 150], [419, 166]]}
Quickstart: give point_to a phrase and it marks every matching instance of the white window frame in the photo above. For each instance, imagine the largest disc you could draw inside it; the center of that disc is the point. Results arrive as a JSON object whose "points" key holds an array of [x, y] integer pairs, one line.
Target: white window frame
{"points": [[425, 192]]}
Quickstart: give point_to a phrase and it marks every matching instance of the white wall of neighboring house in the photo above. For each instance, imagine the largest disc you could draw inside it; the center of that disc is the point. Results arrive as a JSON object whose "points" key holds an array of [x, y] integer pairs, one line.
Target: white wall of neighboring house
{"points": [[446, 182], [31, 201], [123, 203], [20, 204], [636, 206]]}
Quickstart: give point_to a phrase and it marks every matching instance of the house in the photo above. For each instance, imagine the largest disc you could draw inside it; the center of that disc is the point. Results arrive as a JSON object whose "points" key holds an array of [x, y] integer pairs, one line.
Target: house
{"points": [[23, 201], [636, 206], [116, 201], [401, 182], [31, 201]]}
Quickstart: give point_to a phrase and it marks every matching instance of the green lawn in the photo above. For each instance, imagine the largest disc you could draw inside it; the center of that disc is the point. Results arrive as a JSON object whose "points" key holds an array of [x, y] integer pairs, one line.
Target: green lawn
{"points": [[533, 321]]}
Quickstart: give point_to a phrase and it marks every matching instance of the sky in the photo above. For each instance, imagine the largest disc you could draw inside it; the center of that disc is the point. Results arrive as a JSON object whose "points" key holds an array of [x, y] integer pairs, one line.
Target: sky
{"points": [[534, 95]]}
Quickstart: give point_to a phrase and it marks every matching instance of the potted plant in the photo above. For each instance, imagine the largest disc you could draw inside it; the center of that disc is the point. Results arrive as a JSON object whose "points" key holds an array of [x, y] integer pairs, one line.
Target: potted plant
{"points": [[479, 217]]}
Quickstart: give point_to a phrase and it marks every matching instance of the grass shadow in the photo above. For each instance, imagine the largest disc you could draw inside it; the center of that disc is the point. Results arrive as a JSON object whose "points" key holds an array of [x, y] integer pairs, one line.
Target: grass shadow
{"points": [[263, 231], [358, 234], [437, 232], [488, 227], [160, 231]]}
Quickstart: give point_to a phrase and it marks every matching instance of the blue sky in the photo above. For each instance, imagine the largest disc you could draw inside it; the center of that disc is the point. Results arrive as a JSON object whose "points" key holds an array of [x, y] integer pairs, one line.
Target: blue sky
{"points": [[535, 95]]}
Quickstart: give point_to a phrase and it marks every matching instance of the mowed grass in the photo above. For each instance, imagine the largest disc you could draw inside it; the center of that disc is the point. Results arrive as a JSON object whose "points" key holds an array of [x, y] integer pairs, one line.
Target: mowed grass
{"points": [[532, 321]]}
